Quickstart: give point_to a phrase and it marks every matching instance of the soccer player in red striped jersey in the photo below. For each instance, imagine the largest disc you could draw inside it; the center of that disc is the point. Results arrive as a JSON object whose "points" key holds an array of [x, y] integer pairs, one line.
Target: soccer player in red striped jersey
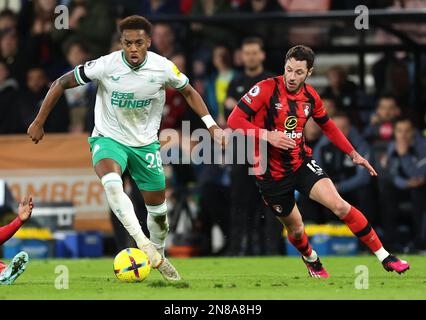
{"points": [[9, 273], [276, 110]]}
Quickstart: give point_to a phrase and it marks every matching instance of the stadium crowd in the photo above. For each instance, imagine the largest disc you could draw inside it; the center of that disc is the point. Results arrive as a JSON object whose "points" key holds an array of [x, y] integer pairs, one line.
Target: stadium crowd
{"points": [[385, 126]]}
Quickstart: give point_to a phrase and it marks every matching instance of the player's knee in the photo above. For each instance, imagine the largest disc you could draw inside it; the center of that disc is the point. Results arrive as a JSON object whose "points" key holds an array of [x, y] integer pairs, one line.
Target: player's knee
{"points": [[113, 186], [340, 207], [296, 231]]}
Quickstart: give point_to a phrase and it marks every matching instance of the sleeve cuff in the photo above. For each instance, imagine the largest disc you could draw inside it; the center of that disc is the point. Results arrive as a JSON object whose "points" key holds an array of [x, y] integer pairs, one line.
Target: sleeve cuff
{"points": [[184, 85]]}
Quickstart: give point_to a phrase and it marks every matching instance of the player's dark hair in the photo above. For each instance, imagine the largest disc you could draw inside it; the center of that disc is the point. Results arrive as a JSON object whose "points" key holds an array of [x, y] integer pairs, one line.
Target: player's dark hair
{"points": [[253, 40], [226, 56], [388, 95], [301, 53], [8, 13], [135, 23], [403, 119]]}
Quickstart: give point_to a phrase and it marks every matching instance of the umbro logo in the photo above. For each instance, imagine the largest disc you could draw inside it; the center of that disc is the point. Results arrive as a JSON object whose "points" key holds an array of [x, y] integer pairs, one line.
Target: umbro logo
{"points": [[115, 78], [278, 105], [95, 149]]}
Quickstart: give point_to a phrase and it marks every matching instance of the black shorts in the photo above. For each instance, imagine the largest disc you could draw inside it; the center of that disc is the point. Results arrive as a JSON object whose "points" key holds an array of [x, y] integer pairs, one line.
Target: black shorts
{"points": [[279, 194]]}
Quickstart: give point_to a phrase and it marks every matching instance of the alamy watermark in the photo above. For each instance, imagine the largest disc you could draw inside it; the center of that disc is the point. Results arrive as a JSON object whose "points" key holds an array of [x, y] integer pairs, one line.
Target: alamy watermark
{"points": [[62, 20], [361, 281], [197, 147], [62, 280], [361, 21]]}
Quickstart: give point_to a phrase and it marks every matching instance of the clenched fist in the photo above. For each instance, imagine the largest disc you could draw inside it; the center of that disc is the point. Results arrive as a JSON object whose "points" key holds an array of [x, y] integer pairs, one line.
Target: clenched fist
{"points": [[35, 131]]}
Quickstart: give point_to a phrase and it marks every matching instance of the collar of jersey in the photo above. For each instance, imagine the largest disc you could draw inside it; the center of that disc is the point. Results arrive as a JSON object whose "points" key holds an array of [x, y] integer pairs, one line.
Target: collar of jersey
{"points": [[134, 68]]}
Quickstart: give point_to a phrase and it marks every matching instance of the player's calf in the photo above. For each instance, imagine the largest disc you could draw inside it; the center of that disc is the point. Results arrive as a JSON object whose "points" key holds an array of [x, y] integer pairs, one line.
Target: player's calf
{"points": [[158, 225]]}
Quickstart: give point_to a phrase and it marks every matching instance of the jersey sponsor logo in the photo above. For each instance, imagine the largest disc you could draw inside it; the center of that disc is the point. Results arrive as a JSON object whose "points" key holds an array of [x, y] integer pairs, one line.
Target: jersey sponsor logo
{"points": [[90, 64], [176, 71], [290, 123], [293, 135], [127, 100], [254, 91]]}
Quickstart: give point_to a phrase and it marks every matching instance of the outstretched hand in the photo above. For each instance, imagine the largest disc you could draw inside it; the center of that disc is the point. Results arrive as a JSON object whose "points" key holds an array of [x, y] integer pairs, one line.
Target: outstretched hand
{"points": [[218, 135], [25, 208], [359, 160]]}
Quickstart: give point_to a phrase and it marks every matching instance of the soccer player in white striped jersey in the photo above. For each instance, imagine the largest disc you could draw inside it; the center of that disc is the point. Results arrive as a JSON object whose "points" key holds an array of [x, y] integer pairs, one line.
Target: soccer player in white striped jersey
{"points": [[129, 105]]}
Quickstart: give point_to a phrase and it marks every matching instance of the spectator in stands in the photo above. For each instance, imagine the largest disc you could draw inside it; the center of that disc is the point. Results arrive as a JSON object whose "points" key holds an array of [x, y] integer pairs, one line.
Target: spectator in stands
{"points": [[310, 33], [343, 92], [8, 21], [213, 179], [37, 17], [380, 130], [15, 58], [10, 119], [208, 35], [80, 99], [163, 40], [218, 83], [154, 7], [91, 21], [406, 166], [329, 105], [175, 106], [304, 5], [30, 100], [250, 234], [36, 23], [258, 6], [352, 182]]}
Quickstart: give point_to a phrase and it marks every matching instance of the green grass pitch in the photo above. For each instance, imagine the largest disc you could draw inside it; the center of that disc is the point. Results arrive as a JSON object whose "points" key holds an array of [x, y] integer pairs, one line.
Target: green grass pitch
{"points": [[250, 278]]}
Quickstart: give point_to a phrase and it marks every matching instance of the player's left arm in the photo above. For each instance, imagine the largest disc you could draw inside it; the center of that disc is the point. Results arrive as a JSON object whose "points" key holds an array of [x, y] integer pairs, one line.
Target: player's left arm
{"points": [[177, 80], [196, 102], [24, 213], [336, 136]]}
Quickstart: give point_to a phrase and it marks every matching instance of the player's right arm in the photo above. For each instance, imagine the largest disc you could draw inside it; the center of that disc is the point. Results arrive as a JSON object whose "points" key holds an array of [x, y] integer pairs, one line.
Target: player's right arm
{"points": [[67, 81], [81, 75], [247, 107]]}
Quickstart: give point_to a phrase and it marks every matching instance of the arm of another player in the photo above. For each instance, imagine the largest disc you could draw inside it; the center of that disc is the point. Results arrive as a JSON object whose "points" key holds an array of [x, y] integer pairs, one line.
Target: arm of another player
{"points": [[24, 213], [197, 104], [238, 119], [247, 107], [67, 81]]}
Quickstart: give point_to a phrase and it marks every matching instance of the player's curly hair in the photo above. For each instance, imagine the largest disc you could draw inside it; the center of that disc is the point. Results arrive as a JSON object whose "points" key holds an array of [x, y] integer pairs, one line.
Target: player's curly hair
{"points": [[301, 53], [135, 22]]}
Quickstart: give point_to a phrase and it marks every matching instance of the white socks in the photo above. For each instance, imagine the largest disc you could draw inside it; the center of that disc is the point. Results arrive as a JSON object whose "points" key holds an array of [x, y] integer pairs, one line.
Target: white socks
{"points": [[312, 258], [122, 206], [381, 254], [158, 225]]}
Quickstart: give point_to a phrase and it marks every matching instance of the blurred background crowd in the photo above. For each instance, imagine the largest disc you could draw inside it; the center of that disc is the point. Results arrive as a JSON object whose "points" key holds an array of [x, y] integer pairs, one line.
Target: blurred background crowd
{"points": [[384, 119]]}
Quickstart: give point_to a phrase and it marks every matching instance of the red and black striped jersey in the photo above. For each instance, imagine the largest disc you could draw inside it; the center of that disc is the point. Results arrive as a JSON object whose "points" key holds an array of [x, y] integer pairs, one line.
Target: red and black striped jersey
{"points": [[272, 107]]}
